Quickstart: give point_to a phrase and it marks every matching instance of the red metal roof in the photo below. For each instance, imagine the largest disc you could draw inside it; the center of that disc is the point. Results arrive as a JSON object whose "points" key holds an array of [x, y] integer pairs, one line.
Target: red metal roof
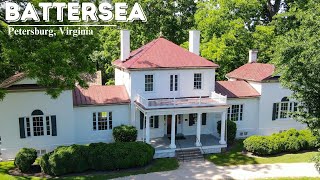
{"points": [[236, 89], [253, 72], [100, 95], [161, 53]]}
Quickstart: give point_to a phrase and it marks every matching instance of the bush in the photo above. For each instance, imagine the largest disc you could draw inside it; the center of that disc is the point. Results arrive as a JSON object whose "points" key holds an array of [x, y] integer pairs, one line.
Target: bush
{"points": [[96, 156], [125, 133], [25, 158], [231, 130], [288, 141]]}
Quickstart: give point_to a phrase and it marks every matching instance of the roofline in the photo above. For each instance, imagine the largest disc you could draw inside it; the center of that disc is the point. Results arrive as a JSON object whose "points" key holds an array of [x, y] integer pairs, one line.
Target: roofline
{"points": [[107, 104], [23, 76], [167, 68], [244, 97], [264, 80]]}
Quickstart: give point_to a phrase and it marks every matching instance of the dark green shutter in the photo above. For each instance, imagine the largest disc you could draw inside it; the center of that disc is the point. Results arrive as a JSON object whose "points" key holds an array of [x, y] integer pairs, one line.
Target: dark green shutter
{"points": [[54, 125], [156, 122], [204, 119], [141, 120], [22, 129], [274, 111]]}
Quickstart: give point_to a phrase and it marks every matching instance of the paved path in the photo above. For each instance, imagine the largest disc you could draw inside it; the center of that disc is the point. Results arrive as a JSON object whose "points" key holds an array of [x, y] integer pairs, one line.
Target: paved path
{"points": [[206, 170]]}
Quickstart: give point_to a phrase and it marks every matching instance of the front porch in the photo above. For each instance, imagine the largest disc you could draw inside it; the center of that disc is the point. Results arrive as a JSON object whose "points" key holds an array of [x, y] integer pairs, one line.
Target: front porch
{"points": [[163, 143]]}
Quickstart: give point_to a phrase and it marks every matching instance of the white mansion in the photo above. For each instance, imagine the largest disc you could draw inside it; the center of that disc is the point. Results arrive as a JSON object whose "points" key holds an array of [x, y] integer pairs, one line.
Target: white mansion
{"points": [[165, 91]]}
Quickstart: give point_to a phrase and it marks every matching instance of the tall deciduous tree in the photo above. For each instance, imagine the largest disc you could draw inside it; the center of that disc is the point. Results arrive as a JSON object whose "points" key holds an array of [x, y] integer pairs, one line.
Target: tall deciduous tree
{"points": [[57, 63], [298, 61]]}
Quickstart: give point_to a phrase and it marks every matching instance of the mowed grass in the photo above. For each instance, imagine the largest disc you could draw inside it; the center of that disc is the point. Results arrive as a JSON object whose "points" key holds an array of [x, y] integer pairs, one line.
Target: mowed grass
{"points": [[156, 166], [235, 157]]}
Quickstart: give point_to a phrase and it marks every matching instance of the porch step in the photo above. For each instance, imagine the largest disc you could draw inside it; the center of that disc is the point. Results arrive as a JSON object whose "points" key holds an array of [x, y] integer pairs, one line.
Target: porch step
{"points": [[189, 154]]}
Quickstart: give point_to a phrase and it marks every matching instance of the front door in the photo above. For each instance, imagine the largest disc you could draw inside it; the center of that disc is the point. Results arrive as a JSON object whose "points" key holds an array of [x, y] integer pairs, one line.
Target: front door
{"points": [[169, 122]]}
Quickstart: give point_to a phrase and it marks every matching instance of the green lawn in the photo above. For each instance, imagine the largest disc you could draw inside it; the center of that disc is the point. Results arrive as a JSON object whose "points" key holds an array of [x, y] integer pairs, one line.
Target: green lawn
{"points": [[235, 157], [157, 166]]}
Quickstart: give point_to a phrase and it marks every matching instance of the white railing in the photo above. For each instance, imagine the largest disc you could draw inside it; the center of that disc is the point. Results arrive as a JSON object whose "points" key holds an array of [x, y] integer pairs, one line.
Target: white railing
{"points": [[214, 100]]}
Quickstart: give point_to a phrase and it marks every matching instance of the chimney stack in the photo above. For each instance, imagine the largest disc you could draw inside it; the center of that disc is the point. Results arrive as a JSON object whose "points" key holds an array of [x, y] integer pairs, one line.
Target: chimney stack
{"points": [[194, 41], [253, 56], [125, 45]]}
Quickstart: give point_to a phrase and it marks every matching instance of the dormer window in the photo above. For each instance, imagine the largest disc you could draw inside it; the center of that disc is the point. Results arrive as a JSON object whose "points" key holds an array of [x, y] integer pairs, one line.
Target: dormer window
{"points": [[148, 85], [197, 84]]}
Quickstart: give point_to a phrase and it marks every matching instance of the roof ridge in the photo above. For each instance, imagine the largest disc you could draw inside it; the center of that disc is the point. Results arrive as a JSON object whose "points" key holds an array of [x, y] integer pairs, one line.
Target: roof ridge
{"points": [[151, 43]]}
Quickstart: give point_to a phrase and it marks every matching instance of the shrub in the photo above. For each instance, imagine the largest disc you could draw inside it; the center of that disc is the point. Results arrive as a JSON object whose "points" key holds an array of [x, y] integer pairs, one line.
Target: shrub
{"points": [[231, 130], [125, 133], [288, 141], [25, 158], [96, 156], [66, 159]]}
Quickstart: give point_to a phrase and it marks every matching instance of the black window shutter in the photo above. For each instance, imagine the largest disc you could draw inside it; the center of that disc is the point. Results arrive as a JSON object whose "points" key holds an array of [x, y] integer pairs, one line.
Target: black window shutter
{"points": [[274, 111], [156, 122], [204, 118], [54, 125], [22, 129], [141, 120], [190, 119]]}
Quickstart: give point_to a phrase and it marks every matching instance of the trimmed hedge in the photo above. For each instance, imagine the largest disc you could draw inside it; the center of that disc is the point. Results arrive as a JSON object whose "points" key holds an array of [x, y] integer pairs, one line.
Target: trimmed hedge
{"points": [[125, 133], [288, 141], [96, 156], [25, 158], [231, 130]]}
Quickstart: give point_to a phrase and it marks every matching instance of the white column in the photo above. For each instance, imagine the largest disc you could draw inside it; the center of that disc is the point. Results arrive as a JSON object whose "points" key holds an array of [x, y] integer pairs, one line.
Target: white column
{"points": [[147, 128], [223, 128], [198, 143], [173, 132]]}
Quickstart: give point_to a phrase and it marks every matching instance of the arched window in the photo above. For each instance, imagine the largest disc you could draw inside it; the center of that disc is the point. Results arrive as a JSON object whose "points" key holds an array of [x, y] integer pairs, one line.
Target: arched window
{"points": [[37, 112], [283, 109]]}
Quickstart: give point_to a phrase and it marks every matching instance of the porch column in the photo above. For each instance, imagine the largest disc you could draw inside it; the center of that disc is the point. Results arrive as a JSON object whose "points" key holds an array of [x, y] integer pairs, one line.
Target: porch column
{"points": [[147, 128], [198, 143], [223, 128], [173, 132]]}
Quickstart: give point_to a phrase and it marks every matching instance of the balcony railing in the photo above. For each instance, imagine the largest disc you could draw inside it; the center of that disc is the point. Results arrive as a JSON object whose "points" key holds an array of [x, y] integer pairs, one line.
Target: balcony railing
{"points": [[214, 100]]}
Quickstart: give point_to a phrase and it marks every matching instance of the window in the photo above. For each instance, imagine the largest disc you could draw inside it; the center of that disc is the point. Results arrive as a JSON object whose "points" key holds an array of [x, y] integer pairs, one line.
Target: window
{"points": [[243, 134], [148, 86], [197, 81], [204, 119], [102, 121], [41, 152], [154, 121], [0, 140], [235, 112], [37, 125], [173, 82], [283, 109]]}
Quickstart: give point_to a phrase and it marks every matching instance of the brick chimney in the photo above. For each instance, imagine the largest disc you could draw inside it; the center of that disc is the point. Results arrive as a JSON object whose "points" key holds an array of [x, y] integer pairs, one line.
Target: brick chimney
{"points": [[125, 45], [194, 41]]}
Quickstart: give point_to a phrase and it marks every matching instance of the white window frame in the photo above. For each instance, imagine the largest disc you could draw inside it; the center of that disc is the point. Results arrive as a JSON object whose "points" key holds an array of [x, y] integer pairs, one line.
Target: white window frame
{"points": [[290, 108], [32, 127], [201, 82], [174, 82], [107, 120], [153, 80], [240, 112]]}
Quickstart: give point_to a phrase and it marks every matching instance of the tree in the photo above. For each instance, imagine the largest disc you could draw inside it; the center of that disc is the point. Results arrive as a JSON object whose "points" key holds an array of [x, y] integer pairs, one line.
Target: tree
{"points": [[57, 63], [171, 19], [298, 61]]}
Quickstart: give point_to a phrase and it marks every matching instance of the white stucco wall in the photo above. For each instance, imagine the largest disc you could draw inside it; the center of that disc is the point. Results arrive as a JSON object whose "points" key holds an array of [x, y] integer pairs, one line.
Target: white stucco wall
{"points": [[84, 122], [162, 83], [22, 104], [122, 77], [273, 92], [250, 116]]}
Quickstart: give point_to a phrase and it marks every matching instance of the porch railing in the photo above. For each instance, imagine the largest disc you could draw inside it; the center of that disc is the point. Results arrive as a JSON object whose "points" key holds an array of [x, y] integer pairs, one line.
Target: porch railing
{"points": [[213, 100]]}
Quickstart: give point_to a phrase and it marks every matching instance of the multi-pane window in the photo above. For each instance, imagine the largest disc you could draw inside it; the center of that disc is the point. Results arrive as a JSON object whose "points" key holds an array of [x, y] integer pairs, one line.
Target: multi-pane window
{"points": [[154, 121], [192, 119], [102, 120], [173, 82], [197, 83], [235, 112], [38, 128], [283, 109], [37, 125], [148, 85]]}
